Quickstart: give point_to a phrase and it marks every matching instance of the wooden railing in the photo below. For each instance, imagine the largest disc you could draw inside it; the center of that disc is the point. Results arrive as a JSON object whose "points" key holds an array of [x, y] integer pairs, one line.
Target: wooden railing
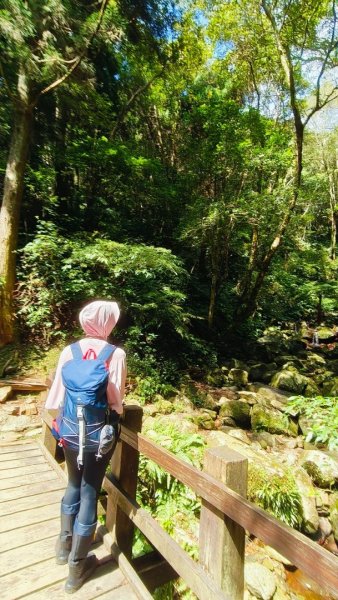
{"points": [[225, 516]]}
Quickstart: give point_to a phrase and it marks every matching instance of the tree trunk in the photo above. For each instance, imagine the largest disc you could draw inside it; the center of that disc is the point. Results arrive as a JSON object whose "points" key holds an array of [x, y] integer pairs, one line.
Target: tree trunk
{"points": [[63, 176], [248, 301], [219, 265], [212, 300], [9, 216], [333, 216], [248, 304]]}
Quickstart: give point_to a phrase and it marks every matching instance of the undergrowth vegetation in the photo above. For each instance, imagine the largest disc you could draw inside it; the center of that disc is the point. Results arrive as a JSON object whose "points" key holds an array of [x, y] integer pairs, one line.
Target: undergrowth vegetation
{"points": [[278, 495], [322, 415], [175, 506]]}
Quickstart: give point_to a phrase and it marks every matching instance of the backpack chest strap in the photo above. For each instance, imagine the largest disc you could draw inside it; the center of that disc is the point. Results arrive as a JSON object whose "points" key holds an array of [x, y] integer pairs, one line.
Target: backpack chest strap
{"points": [[82, 434]]}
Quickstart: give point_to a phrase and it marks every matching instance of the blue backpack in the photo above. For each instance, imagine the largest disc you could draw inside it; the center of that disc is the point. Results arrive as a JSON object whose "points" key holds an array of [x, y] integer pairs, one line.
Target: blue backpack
{"points": [[83, 413]]}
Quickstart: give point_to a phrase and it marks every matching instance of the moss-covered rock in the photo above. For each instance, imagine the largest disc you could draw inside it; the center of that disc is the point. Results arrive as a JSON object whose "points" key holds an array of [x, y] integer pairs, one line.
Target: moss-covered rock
{"points": [[272, 420], [218, 377], [325, 332], [268, 393], [164, 407], [206, 420], [239, 377], [321, 467], [274, 342], [290, 380], [227, 422], [322, 375], [314, 360], [311, 389], [287, 359], [265, 439], [248, 397], [310, 520], [238, 410]]}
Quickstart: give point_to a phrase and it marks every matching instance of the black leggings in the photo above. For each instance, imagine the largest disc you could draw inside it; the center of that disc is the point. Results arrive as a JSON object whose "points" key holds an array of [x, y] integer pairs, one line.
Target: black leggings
{"points": [[84, 484]]}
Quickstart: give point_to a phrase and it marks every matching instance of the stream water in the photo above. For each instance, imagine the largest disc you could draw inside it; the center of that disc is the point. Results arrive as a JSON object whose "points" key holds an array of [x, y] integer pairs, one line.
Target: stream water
{"points": [[301, 584]]}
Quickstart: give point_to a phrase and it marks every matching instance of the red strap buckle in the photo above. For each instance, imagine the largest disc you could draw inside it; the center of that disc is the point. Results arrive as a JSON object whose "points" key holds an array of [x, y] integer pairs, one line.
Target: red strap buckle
{"points": [[90, 354]]}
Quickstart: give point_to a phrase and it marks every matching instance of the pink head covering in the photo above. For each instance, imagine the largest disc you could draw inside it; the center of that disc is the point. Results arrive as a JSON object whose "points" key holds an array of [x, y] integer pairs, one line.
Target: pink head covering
{"points": [[99, 318]]}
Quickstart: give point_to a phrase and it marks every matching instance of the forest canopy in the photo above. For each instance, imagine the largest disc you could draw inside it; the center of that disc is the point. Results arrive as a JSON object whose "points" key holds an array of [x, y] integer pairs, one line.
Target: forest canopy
{"points": [[180, 158]]}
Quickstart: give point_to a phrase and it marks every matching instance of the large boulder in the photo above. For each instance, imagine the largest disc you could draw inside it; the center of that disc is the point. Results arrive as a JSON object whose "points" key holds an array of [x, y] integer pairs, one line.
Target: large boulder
{"points": [[322, 468], [239, 377], [313, 361], [238, 410], [267, 395], [307, 493], [259, 580], [291, 380], [277, 342], [272, 420]]}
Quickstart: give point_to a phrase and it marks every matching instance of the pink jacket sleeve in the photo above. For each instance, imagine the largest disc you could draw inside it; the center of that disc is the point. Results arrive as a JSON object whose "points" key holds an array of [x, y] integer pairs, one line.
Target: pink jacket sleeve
{"points": [[117, 380], [57, 390]]}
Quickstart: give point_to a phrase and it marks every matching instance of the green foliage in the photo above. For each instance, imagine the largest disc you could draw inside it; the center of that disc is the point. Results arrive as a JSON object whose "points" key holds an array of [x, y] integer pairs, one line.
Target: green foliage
{"points": [[174, 591], [322, 413], [175, 506], [278, 495], [58, 275], [28, 359], [148, 387], [285, 505]]}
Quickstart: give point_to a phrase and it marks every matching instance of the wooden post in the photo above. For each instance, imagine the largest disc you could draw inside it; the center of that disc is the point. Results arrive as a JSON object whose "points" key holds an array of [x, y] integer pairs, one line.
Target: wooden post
{"points": [[124, 467], [48, 439], [222, 540]]}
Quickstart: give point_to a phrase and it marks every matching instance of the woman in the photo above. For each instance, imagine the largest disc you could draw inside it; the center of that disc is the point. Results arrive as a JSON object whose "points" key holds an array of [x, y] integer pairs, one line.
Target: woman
{"points": [[79, 504]]}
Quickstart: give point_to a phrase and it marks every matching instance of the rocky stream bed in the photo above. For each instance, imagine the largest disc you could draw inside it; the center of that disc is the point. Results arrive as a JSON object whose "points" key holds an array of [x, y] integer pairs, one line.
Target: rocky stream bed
{"points": [[244, 405]]}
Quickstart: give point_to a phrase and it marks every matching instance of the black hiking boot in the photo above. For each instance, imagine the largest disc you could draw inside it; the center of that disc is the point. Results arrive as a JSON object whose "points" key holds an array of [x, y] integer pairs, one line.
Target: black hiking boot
{"points": [[64, 541], [81, 564]]}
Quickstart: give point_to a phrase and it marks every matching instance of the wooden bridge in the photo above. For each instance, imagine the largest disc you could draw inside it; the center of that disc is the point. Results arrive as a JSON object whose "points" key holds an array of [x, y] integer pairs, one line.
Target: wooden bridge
{"points": [[31, 486]]}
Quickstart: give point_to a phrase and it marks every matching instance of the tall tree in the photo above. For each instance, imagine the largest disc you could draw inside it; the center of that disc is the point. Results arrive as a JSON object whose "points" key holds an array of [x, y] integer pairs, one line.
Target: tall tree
{"points": [[293, 50], [42, 44]]}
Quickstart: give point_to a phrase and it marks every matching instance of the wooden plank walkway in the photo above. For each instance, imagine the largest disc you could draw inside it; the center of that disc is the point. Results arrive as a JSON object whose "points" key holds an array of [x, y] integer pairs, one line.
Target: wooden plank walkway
{"points": [[31, 487]]}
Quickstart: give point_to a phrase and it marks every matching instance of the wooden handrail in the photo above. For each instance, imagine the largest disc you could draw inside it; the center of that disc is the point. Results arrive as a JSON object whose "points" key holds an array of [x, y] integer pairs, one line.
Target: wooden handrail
{"points": [[317, 563], [197, 579], [301, 551]]}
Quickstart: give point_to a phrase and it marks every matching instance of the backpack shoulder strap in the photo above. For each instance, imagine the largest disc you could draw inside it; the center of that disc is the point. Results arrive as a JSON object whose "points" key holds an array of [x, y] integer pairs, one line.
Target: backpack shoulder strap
{"points": [[76, 350], [106, 352]]}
